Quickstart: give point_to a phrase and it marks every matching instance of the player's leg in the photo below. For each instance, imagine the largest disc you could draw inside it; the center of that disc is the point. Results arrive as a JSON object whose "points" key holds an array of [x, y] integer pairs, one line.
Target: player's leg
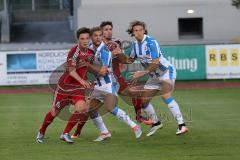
{"points": [[148, 108], [146, 93], [80, 115], [59, 102], [80, 125], [137, 102], [78, 130], [168, 88], [134, 95], [49, 117], [176, 112], [95, 104], [110, 101], [97, 120]]}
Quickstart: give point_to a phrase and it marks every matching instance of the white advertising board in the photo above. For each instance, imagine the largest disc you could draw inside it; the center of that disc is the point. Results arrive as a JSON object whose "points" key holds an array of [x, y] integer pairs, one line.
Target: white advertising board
{"points": [[29, 67], [222, 61]]}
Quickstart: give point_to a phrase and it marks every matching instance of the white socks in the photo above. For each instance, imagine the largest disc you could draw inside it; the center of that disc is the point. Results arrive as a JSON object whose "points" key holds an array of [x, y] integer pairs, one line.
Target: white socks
{"points": [[122, 116], [149, 110], [98, 122], [174, 108]]}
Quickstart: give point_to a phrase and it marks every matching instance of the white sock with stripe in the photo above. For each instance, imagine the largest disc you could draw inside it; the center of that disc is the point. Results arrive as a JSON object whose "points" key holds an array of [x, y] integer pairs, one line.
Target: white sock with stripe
{"points": [[98, 122], [122, 116], [174, 108], [149, 110]]}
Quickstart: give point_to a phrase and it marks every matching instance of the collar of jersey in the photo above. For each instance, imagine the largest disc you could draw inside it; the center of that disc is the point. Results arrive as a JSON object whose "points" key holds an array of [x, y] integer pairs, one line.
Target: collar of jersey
{"points": [[100, 46], [144, 37]]}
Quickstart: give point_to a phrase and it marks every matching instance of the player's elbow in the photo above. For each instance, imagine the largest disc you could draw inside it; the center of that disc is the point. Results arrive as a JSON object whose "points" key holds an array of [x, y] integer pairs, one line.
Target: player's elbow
{"points": [[72, 70]]}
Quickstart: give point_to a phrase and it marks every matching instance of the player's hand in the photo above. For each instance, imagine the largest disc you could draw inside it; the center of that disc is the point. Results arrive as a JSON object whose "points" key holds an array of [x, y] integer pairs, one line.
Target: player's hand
{"points": [[82, 64], [129, 60], [133, 81], [137, 75], [116, 51], [85, 83], [103, 71]]}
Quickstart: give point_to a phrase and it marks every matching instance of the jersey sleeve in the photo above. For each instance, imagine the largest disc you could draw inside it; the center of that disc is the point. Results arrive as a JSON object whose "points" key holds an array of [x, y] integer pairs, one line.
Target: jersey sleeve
{"points": [[72, 58], [91, 57], [133, 51]]}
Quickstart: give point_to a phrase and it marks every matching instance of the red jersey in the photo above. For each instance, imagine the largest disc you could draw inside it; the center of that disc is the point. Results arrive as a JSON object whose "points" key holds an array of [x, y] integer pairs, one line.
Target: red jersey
{"points": [[117, 71], [75, 59], [115, 61]]}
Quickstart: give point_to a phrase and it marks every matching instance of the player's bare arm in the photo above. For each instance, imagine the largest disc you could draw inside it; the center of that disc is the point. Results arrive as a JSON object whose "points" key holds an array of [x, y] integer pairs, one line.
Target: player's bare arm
{"points": [[97, 70], [123, 58], [151, 68], [74, 74]]}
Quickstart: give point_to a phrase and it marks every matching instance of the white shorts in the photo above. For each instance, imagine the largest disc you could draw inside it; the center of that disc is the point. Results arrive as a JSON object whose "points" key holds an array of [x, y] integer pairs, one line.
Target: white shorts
{"points": [[100, 92], [155, 83]]}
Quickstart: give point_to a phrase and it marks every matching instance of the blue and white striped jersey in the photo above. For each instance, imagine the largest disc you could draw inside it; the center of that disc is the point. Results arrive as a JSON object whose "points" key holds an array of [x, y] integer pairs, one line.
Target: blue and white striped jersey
{"points": [[103, 57], [148, 50]]}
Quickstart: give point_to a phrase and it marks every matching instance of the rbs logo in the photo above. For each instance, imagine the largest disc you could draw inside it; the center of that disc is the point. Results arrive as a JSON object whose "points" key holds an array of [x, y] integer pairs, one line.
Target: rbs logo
{"points": [[223, 57]]}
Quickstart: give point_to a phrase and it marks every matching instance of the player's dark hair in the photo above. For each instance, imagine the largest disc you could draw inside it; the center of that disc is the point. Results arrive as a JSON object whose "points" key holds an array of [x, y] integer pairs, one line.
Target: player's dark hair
{"points": [[136, 23], [82, 30], [105, 23], [94, 29]]}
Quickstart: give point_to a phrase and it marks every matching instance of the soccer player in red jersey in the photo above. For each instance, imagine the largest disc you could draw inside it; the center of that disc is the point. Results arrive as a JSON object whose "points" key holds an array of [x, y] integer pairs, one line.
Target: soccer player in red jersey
{"points": [[71, 85]]}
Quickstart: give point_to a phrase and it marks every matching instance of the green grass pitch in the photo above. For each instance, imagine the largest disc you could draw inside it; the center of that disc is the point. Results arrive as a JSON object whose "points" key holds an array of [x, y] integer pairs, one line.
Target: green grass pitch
{"points": [[213, 117]]}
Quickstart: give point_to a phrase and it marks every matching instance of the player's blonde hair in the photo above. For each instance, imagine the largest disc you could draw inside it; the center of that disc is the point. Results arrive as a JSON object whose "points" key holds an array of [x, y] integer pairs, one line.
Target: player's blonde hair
{"points": [[95, 29], [136, 23]]}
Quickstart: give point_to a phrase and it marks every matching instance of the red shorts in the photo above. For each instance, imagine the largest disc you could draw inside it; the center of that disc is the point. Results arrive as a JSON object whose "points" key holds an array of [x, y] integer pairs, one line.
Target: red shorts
{"points": [[64, 98]]}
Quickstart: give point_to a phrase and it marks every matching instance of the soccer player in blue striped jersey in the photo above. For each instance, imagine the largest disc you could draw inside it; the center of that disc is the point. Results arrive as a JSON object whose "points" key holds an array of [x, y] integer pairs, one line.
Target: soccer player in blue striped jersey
{"points": [[107, 28], [105, 90], [159, 70]]}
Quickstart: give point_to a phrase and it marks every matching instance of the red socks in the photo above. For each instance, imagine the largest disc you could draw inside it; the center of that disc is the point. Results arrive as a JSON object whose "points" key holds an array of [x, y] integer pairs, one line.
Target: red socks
{"points": [[47, 121], [79, 128], [74, 119], [137, 103]]}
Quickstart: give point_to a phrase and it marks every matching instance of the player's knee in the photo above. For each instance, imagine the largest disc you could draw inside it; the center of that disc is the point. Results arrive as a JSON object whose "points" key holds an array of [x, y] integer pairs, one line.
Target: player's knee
{"points": [[109, 109], [82, 110], [166, 96], [54, 112], [81, 107]]}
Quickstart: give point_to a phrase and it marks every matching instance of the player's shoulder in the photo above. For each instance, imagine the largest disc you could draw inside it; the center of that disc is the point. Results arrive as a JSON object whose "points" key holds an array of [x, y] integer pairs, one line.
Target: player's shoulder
{"points": [[104, 48], [150, 40], [72, 50]]}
